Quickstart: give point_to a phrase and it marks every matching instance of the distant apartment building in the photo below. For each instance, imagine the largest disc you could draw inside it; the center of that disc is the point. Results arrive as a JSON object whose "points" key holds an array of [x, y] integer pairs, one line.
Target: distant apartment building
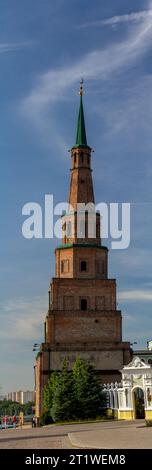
{"points": [[27, 396], [2, 397], [21, 396]]}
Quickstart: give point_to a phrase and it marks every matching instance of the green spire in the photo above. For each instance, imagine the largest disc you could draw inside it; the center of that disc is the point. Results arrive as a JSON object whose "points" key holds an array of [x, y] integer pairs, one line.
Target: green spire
{"points": [[81, 139]]}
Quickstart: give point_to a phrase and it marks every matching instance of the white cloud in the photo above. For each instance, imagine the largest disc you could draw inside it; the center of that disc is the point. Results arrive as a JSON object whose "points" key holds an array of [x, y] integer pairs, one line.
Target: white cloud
{"points": [[128, 318], [13, 47], [22, 319], [52, 86], [136, 16], [136, 102], [114, 20], [135, 295]]}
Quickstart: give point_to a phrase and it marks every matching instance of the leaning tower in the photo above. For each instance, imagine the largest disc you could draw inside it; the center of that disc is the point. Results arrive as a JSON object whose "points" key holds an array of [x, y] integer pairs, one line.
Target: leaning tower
{"points": [[82, 318]]}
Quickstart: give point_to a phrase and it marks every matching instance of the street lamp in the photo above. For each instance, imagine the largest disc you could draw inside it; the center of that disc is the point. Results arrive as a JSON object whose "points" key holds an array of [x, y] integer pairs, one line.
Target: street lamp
{"points": [[36, 347]]}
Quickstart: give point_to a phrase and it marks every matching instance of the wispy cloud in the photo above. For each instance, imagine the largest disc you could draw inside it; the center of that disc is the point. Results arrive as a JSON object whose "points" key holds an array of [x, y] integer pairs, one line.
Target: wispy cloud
{"points": [[135, 295], [136, 260], [136, 16], [21, 318], [52, 86], [13, 47], [115, 20]]}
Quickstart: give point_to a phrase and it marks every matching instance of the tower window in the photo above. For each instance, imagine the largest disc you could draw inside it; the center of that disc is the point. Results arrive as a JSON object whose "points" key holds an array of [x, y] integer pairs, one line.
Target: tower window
{"points": [[83, 304], [81, 229], [83, 266], [69, 229], [88, 159], [81, 157], [75, 156], [65, 266]]}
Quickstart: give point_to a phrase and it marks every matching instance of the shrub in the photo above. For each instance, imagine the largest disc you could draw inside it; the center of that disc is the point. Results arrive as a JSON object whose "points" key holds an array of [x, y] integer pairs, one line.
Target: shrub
{"points": [[148, 422], [45, 418]]}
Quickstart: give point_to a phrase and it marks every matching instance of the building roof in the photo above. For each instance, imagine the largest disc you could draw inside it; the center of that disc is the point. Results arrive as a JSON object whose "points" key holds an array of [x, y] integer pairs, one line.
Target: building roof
{"points": [[142, 352]]}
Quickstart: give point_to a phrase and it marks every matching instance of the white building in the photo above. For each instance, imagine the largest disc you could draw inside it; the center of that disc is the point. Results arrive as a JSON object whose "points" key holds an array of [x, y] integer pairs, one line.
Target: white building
{"points": [[132, 399], [27, 396], [2, 397], [21, 396]]}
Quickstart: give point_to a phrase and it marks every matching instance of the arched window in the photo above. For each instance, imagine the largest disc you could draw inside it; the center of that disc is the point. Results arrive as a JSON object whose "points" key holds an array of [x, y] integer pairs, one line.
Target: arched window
{"points": [[83, 304], [83, 266], [75, 158]]}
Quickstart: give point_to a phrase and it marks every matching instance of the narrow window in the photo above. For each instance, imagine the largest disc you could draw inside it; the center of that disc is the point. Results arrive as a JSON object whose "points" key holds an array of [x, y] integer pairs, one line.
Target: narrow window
{"points": [[69, 229], [83, 304], [64, 227], [62, 266], [83, 266], [82, 157], [81, 229], [65, 266]]}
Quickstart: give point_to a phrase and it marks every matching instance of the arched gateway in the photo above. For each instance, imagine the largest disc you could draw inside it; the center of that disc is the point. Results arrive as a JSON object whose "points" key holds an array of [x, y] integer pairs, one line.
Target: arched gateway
{"points": [[138, 399]]}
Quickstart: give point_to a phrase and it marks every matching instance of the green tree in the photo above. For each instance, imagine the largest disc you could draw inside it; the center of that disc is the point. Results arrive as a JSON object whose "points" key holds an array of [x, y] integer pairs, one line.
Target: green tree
{"points": [[63, 403], [48, 396], [27, 408], [49, 392], [75, 394], [11, 408], [87, 389]]}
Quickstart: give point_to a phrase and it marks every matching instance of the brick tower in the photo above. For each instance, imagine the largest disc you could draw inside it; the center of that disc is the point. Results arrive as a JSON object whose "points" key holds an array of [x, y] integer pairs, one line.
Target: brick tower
{"points": [[82, 318]]}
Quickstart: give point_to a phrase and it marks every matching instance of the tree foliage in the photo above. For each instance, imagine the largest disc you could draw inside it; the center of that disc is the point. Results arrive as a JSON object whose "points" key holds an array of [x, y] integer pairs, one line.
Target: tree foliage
{"points": [[63, 404], [75, 394], [87, 389], [10, 408], [49, 391]]}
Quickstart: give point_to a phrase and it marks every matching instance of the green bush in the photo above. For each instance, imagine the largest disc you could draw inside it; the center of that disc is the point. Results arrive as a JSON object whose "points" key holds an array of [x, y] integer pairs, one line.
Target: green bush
{"points": [[45, 418], [148, 422]]}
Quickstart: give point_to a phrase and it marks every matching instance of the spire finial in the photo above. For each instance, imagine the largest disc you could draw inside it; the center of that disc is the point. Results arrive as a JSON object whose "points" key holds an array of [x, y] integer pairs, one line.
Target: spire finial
{"points": [[81, 90], [81, 139]]}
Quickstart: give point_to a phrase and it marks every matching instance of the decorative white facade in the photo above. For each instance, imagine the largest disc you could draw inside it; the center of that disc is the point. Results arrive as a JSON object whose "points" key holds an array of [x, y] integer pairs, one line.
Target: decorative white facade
{"points": [[133, 397]]}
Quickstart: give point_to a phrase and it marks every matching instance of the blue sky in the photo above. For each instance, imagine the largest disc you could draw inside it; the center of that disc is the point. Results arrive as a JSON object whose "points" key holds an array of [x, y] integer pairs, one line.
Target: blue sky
{"points": [[45, 48]]}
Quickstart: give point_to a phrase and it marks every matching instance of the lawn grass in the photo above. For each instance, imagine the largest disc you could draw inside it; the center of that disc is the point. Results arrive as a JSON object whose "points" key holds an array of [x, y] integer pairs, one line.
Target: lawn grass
{"points": [[85, 421]]}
